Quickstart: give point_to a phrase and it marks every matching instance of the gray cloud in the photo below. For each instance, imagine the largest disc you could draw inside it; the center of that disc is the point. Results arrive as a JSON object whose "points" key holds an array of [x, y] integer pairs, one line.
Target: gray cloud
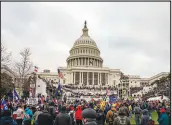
{"points": [[133, 37]]}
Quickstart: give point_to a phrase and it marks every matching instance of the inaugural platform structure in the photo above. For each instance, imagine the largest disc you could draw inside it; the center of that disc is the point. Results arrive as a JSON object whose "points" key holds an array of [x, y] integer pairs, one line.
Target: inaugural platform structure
{"points": [[85, 68]]}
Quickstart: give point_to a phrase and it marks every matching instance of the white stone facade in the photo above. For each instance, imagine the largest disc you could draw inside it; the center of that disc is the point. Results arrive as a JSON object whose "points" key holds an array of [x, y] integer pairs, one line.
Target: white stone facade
{"points": [[85, 67]]}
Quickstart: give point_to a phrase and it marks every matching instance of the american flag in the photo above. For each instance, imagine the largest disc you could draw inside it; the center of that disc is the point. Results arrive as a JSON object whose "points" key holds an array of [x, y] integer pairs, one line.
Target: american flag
{"points": [[36, 69], [60, 74]]}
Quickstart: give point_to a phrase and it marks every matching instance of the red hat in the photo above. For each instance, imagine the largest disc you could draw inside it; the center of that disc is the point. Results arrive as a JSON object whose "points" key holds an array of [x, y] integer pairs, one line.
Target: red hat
{"points": [[162, 110]]}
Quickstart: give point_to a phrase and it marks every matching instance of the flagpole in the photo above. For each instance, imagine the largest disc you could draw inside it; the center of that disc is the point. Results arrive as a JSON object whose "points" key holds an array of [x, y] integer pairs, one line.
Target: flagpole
{"points": [[13, 94]]}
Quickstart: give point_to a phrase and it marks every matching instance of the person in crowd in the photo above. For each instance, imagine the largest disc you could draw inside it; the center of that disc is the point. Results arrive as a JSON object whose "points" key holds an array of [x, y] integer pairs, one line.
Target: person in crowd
{"points": [[89, 116], [45, 105], [63, 118], [27, 116], [124, 106], [52, 110], [20, 115], [121, 119], [137, 112], [78, 115], [36, 114], [110, 116], [47, 99], [145, 117], [72, 115], [45, 118], [100, 117], [163, 118], [130, 111], [6, 118], [168, 111]]}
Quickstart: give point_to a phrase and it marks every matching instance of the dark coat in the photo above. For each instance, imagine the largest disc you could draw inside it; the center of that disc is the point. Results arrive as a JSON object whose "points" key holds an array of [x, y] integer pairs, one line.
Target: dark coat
{"points": [[100, 118], [45, 119], [145, 117], [7, 120], [121, 118], [63, 119]]}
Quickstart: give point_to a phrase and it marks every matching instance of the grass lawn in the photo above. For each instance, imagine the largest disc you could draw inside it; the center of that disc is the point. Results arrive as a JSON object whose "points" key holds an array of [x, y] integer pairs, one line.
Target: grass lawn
{"points": [[154, 117]]}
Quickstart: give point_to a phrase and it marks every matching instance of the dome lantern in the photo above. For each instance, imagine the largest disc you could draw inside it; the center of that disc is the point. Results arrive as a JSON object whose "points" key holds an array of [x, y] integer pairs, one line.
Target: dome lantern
{"points": [[85, 29]]}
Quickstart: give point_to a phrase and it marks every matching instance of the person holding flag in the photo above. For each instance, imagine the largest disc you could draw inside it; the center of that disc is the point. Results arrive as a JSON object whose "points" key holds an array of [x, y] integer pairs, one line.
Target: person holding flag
{"points": [[15, 95], [59, 90]]}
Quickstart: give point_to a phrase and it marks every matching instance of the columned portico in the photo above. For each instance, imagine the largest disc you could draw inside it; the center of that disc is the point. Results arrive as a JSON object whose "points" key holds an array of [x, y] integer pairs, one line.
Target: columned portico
{"points": [[90, 78]]}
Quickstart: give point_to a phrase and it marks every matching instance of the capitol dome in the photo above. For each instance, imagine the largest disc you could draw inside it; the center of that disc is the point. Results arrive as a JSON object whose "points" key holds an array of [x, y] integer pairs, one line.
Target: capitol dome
{"points": [[84, 52]]}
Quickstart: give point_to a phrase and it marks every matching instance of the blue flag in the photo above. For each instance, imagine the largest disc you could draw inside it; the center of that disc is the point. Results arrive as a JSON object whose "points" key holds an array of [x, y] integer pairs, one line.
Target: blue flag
{"points": [[112, 99], [4, 104], [15, 95], [59, 90]]}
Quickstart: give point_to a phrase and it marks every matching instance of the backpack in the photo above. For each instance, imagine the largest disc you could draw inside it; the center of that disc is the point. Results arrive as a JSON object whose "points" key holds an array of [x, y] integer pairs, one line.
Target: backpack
{"points": [[122, 121]]}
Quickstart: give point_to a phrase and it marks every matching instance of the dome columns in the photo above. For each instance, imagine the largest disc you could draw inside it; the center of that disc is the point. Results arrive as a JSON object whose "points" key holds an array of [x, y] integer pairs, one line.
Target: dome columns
{"points": [[85, 62]]}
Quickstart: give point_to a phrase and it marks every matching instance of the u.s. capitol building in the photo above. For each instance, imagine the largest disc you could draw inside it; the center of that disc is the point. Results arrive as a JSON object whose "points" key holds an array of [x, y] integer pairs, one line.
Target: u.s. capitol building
{"points": [[85, 67]]}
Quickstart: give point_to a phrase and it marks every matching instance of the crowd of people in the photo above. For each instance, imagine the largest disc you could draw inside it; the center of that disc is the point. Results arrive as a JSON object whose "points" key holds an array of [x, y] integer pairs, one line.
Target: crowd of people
{"points": [[80, 112]]}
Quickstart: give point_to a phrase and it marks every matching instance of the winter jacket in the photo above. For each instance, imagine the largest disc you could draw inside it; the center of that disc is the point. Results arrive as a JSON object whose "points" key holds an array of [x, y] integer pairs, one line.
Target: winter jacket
{"points": [[145, 117], [78, 113], [28, 112], [63, 119], [163, 119], [7, 120], [126, 110], [36, 114], [122, 118], [45, 118], [100, 118], [52, 111], [137, 110]]}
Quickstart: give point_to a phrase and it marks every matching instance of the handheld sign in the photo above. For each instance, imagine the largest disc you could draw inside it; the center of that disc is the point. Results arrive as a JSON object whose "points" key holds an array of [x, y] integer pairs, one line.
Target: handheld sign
{"points": [[32, 101]]}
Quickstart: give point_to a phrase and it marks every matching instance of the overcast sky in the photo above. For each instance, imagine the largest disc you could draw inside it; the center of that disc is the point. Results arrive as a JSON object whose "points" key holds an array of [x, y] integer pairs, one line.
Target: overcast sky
{"points": [[132, 37]]}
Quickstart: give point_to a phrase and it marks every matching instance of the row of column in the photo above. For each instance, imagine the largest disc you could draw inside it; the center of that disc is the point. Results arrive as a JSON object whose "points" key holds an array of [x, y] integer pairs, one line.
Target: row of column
{"points": [[78, 78], [84, 62]]}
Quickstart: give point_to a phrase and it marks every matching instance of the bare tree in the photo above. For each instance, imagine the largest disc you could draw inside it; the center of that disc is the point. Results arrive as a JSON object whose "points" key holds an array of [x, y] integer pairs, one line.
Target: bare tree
{"points": [[24, 66], [5, 56]]}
